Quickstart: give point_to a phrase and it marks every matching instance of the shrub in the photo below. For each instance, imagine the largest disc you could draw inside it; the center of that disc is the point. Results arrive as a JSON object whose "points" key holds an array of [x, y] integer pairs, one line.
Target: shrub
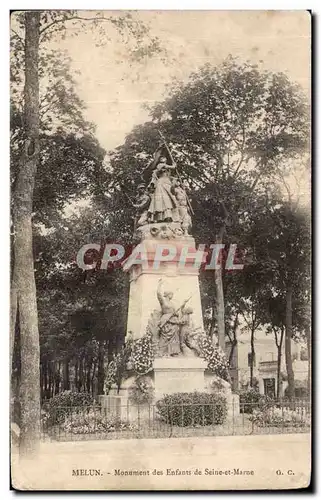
{"points": [[141, 391], [91, 421], [192, 409], [55, 410], [279, 417], [251, 399]]}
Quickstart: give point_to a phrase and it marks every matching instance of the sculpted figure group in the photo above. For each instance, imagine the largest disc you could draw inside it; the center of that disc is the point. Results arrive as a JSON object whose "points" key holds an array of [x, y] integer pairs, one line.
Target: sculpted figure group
{"points": [[174, 330], [164, 199]]}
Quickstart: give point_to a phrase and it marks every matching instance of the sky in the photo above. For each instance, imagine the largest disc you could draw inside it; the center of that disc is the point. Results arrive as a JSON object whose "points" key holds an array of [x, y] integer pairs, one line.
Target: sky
{"points": [[114, 94]]}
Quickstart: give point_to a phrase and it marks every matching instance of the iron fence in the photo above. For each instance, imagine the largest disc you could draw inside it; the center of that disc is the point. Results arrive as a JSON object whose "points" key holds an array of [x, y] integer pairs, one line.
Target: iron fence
{"points": [[75, 423]]}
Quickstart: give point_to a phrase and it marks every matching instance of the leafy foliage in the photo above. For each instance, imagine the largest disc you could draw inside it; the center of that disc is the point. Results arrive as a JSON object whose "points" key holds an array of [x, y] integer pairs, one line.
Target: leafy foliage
{"points": [[92, 422], [141, 391], [232, 129], [280, 417], [192, 409], [58, 407], [251, 399]]}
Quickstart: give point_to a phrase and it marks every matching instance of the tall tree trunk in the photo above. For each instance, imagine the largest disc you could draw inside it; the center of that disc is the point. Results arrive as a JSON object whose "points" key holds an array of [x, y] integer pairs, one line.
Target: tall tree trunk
{"points": [[66, 377], [49, 380], [13, 316], [45, 368], [234, 339], [101, 373], [288, 340], [41, 382], [213, 321], [88, 374], [110, 349], [278, 372], [57, 377], [93, 378], [77, 375], [81, 374], [15, 378], [252, 356], [231, 354], [23, 273], [279, 345], [219, 297]]}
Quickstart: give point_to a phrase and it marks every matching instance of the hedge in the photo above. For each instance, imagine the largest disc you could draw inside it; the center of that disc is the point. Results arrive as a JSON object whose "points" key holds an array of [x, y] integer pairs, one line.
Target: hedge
{"points": [[192, 409]]}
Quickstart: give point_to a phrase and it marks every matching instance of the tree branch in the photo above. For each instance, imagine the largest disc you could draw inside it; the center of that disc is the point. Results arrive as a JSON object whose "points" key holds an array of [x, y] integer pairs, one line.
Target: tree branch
{"points": [[242, 153], [73, 18], [46, 108], [256, 180], [20, 39]]}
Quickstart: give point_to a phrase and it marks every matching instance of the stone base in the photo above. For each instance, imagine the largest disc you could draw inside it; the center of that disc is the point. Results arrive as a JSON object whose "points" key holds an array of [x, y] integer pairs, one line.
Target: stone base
{"points": [[121, 408], [162, 231], [178, 375], [181, 280], [170, 375]]}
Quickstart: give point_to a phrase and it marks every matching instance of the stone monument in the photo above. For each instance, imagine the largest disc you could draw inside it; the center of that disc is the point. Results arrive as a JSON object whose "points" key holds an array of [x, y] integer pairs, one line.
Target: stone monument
{"points": [[164, 291]]}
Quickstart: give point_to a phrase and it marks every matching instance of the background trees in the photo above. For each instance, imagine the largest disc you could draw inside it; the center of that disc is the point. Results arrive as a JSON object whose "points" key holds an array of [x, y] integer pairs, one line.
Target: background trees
{"points": [[235, 132], [232, 130], [285, 247], [49, 135]]}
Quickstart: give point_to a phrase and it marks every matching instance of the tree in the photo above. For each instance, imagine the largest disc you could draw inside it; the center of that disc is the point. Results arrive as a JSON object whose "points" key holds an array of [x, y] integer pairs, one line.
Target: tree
{"points": [[82, 314], [23, 297], [282, 244], [228, 125], [58, 97], [273, 308]]}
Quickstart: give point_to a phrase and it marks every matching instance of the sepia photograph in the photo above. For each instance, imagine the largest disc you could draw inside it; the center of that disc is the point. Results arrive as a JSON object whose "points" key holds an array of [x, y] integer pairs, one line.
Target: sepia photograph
{"points": [[160, 250]]}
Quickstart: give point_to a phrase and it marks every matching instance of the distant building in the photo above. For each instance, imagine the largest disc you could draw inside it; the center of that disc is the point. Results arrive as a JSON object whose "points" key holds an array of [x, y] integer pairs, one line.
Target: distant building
{"points": [[265, 364]]}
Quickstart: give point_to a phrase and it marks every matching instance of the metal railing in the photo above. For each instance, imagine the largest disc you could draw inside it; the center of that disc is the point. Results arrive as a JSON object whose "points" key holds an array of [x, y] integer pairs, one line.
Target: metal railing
{"points": [[150, 421]]}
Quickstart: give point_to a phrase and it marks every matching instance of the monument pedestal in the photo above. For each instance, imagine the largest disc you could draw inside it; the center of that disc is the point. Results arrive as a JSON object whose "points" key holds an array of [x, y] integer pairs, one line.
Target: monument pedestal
{"points": [[180, 279], [164, 296], [165, 288], [178, 374]]}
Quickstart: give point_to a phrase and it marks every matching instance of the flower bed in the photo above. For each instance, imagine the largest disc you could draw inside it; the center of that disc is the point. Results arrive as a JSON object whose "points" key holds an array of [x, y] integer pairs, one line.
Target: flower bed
{"points": [[279, 417]]}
